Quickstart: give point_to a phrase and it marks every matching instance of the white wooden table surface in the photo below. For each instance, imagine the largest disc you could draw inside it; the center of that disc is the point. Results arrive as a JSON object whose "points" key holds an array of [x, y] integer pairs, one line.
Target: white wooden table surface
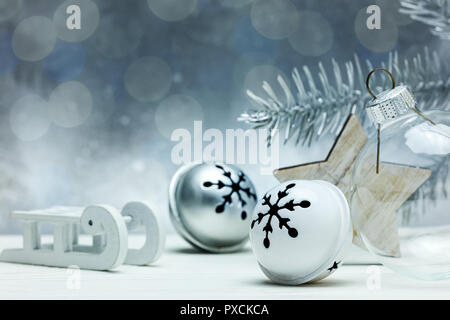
{"points": [[184, 273]]}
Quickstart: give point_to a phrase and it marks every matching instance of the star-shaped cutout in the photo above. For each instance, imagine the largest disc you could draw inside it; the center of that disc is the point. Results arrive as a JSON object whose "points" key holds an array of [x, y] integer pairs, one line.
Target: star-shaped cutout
{"points": [[334, 266], [379, 198]]}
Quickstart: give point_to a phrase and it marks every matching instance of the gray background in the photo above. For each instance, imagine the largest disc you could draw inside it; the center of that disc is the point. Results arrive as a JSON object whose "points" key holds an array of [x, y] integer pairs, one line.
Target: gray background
{"points": [[120, 151]]}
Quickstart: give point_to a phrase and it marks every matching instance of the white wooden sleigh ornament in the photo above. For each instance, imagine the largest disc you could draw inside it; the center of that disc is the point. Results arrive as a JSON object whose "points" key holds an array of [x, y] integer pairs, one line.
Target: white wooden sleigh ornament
{"points": [[108, 227]]}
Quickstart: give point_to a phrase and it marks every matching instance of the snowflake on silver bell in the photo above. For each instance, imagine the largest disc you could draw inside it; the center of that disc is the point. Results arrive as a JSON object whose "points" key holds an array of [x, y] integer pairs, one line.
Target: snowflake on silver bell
{"points": [[274, 211], [235, 188]]}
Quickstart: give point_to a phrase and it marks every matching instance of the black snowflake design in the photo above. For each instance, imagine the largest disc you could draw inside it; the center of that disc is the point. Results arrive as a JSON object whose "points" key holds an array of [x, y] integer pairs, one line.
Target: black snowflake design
{"points": [[235, 188], [334, 266], [274, 210]]}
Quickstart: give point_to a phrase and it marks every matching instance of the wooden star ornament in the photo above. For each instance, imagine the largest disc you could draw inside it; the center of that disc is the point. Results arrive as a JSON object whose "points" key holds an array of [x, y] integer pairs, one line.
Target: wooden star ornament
{"points": [[377, 199]]}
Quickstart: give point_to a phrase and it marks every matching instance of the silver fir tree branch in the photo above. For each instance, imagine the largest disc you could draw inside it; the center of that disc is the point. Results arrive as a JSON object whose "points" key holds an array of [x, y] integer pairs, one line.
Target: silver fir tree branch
{"points": [[318, 107], [435, 13]]}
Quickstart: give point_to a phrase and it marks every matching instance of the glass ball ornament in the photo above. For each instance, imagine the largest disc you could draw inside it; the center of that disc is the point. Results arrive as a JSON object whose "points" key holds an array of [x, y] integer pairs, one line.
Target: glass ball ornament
{"points": [[300, 231], [402, 213], [210, 206]]}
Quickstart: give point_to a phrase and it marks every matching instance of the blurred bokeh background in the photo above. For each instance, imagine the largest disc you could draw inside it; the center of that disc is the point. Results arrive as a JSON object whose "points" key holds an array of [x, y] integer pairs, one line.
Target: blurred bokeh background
{"points": [[86, 115]]}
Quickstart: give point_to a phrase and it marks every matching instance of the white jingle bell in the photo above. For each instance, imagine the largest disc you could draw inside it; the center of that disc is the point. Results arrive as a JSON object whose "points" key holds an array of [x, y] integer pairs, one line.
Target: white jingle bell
{"points": [[299, 230]]}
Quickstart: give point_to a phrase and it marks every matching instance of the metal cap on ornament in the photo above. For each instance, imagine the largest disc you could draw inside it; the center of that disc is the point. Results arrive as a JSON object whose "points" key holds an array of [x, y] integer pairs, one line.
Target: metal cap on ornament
{"points": [[391, 103]]}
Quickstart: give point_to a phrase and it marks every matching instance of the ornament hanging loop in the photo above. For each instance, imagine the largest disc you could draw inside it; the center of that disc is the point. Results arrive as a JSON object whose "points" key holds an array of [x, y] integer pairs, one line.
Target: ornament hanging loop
{"points": [[374, 96], [371, 73], [389, 105]]}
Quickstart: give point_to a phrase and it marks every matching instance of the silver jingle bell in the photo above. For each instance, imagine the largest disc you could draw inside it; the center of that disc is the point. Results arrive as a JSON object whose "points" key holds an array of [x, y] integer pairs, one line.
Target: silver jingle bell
{"points": [[211, 205]]}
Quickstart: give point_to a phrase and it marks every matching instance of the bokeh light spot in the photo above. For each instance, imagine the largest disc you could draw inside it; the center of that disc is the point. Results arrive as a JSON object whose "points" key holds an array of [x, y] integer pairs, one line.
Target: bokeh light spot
{"points": [[148, 79], [274, 19], [34, 38], [235, 3], [245, 39], [8, 8], [71, 104], [378, 40], [313, 36], [172, 10], [89, 20], [29, 117]]}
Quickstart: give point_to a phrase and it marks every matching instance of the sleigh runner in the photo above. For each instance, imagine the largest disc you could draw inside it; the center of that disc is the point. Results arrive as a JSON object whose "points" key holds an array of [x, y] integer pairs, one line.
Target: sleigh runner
{"points": [[109, 231]]}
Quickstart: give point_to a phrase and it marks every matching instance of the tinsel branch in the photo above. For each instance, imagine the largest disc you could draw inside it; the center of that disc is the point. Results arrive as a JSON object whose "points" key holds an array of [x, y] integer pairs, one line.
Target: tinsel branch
{"points": [[318, 107], [435, 13]]}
